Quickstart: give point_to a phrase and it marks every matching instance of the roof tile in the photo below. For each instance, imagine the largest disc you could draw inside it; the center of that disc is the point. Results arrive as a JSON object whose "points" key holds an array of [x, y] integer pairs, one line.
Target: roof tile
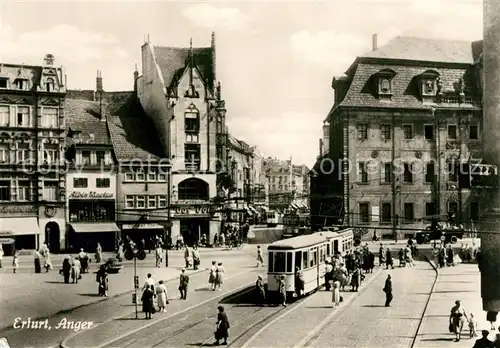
{"points": [[84, 116]]}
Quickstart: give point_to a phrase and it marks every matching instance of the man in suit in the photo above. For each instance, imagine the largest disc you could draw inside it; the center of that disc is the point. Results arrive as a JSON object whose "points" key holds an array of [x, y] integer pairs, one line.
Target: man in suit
{"points": [[484, 342], [388, 291], [183, 284]]}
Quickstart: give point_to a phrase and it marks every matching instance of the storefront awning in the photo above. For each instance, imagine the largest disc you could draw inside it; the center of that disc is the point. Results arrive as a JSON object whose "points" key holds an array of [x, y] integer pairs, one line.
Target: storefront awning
{"points": [[249, 211], [142, 227], [95, 227], [255, 211], [18, 226], [294, 206]]}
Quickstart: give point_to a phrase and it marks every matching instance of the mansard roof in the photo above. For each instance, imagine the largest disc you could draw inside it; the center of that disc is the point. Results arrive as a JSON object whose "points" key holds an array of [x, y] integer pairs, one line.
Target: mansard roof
{"points": [[173, 61]]}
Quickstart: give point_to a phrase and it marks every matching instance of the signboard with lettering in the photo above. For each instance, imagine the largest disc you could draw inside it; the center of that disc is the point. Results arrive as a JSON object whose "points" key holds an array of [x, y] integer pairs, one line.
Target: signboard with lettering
{"points": [[193, 210], [17, 209], [91, 195]]}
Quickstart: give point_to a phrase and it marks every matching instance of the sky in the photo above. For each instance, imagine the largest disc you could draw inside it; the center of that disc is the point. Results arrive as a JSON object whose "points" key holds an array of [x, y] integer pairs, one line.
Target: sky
{"points": [[275, 60]]}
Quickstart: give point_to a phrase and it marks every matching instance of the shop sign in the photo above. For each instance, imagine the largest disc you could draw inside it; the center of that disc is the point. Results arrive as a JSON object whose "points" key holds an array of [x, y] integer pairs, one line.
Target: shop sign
{"points": [[91, 195], [192, 210], [7, 240], [18, 209], [5, 233]]}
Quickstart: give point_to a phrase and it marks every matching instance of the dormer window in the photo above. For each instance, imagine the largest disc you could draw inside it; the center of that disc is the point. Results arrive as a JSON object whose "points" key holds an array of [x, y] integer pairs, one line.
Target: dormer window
{"points": [[49, 85], [22, 84], [385, 86], [428, 83], [384, 83]]}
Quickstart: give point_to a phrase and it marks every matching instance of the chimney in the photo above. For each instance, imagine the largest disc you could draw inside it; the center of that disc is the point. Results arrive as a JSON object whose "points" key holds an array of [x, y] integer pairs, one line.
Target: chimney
{"points": [[98, 82], [99, 94], [136, 76], [320, 146], [374, 42], [214, 61]]}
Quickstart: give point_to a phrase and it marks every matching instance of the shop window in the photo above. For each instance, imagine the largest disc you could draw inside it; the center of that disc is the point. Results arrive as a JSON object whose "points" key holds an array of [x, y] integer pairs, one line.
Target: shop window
{"points": [[102, 182], [4, 190], [474, 211], [92, 211]]}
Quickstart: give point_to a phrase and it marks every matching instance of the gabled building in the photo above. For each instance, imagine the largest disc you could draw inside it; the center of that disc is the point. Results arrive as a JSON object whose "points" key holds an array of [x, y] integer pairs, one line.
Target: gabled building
{"points": [[32, 167], [178, 92], [405, 115]]}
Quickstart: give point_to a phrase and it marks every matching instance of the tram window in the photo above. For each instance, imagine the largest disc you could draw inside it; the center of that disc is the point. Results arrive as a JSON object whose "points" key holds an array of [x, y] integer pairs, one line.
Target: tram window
{"points": [[336, 245], [270, 263], [289, 262], [298, 259], [314, 258], [328, 251], [279, 262], [305, 259]]}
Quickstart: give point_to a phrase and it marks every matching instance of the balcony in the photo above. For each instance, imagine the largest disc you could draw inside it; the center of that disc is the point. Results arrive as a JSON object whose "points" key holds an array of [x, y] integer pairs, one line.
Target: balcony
{"points": [[457, 100]]}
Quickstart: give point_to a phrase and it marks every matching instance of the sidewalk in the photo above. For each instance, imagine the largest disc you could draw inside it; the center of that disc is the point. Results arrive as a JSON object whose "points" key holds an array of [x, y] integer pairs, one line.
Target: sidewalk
{"points": [[461, 282]]}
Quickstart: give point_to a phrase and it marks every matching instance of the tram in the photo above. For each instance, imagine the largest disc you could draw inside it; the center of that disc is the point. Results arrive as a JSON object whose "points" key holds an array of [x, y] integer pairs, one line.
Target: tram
{"points": [[273, 218], [295, 224], [308, 253]]}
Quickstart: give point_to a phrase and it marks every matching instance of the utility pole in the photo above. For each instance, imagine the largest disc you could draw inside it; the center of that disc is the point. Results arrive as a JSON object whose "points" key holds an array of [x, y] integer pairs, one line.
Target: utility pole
{"points": [[393, 182], [490, 220]]}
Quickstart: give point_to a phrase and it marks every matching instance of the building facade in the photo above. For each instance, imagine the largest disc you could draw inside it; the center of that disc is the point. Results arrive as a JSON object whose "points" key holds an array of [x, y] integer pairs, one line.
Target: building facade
{"points": [[32, 183], [91, 179], [179, 94], [403, 120]]}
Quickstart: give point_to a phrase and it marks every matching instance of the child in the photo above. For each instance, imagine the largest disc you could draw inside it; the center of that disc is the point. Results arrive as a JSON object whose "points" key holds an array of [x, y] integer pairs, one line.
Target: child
{"points": [[336, 293], [472, 326], [15, 261]]}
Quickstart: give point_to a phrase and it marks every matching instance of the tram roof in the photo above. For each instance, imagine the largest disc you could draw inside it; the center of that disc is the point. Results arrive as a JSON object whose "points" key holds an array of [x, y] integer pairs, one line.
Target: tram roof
{"points": [[298, 242], [333, 234]]}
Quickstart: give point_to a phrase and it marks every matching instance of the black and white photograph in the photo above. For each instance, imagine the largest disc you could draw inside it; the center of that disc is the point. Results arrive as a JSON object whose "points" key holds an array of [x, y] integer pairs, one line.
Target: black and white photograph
{"points": [[253, 174]]}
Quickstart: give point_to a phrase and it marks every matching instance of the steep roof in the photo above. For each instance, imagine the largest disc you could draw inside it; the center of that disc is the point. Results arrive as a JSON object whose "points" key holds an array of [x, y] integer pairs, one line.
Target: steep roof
{"points": [[133, 135], [173, 60], [425, 50], [83, 116]]}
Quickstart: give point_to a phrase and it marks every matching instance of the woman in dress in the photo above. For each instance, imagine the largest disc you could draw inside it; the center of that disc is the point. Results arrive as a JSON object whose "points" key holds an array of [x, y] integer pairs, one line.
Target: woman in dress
{"points": [[212, 275], [98, 253], [147, 301], [66, 268], [222, 327], [48, 261], [161, 294], [458, 317], [219, 276]]}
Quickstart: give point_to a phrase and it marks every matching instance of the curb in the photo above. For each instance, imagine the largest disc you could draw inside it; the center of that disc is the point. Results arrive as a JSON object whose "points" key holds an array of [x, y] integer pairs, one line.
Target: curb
{"points": [[238, 290], [71, 309], [414, 340]]}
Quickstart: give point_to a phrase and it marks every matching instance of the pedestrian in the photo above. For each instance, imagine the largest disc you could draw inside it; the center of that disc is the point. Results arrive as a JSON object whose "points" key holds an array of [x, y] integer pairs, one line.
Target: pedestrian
{"points": [[150, 281], [355, 279], [212, 275], [222, 327], [75, 270], [15, 261], [441, 256], [260, 291], [388, 291], [66, 268], [120, 253], [299, 282], [282, 290], [496, 344], [102, 280], [458, 316], [38, 265], [328, 274], [381, 255], [401, 257], [84, 260], [260, 259], [472, 326], [98, 253], [159, 256], [187, 257], [371, 261], [336, 293], [147, 302], [389, 260], [1, 254], [450, 256], [484, 342], [196, 257], [219, 276], [161, 295], [183, 284], [48, 261]]}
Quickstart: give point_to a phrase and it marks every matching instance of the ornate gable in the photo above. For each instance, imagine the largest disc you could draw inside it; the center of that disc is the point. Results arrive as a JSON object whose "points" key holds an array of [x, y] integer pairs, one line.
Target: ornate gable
{"points": [[50, 102], [21, 101]]}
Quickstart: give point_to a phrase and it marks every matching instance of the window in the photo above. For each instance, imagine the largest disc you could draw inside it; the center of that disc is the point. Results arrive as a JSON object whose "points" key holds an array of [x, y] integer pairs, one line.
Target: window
{"points": [[362, 172], [289, 262], [151, 202], [473, 132], [408, 211], [140, 176], [162, 176], [100, 157], [474, 211], [407, 173], [129, 176], [387, 172], [192, 157], [270, 262], [102, 182], [453, 208], [51, 154], [49, 118], [386, 213], [429, 172], [305, 259], [4, 153], [385, 131], [3, 83], [362, 131], [152, 175], [364, 214], [50, 191], [279, 262], [22, 84], [129, 202], [49, 84], [141, 202], [4, 115], [23, 153], [408, 131], [23, 191], [191, 122], [192, 138], [162, 202], [80, 182], [430, 209], [429, 132], [23, 114], [298, 259], [85, 157], [385, 86], [4, 190], [452, 132], [452, 172]]}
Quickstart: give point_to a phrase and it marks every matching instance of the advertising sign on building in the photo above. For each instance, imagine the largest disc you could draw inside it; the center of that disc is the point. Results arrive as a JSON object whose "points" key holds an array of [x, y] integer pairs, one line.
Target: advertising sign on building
{"points": [[91, 195], [193, 211]]}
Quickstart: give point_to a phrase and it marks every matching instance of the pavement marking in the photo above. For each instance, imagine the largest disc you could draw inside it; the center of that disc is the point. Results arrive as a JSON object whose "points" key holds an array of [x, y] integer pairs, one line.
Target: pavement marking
{"points": [[63, 344], [320, 326]]}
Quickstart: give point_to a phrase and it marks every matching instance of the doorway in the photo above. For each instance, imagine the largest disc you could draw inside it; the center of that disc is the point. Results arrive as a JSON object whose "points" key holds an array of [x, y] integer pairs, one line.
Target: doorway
{"points": [[193, 229], [53, 236]]}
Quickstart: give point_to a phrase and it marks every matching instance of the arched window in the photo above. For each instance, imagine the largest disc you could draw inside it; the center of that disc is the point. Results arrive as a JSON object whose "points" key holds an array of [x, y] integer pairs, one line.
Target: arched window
{"points": [[49, 84], [192, 124], [193, 188]]}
